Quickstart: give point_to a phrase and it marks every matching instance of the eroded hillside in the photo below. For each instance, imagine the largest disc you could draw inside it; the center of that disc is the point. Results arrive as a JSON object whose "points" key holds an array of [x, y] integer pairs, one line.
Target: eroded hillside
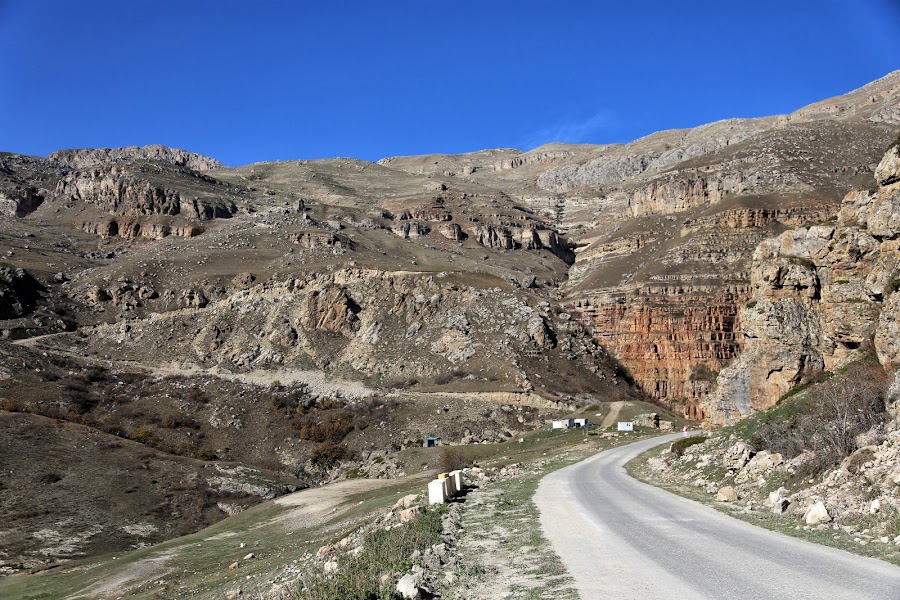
{"points": [[305, 319]]}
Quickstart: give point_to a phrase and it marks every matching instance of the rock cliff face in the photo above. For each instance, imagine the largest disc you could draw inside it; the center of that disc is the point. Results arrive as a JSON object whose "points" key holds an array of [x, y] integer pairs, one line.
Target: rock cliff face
{"points": [[25, 182], [88, 157], [356, 322], [646, 245], [665, 283], [664, 227], [821, 295], [140, 199], [117, 190]]}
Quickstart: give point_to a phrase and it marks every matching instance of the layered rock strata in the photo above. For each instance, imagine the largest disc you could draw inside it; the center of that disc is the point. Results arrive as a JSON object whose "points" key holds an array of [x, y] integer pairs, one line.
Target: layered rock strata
{"points": [[821, 296], [88, 157]]}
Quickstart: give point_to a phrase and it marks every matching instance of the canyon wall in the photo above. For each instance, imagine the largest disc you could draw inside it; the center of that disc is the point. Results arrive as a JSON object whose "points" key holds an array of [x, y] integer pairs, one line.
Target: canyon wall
{"points": [[822, 296]]}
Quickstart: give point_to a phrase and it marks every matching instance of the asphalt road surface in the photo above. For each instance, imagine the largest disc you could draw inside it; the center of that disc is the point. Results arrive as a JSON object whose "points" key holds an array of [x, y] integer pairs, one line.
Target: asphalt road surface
{"points": [[621, 539]]}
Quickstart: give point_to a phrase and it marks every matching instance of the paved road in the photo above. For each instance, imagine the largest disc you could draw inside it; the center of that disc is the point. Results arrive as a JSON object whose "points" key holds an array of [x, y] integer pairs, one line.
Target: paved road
{"points": [[621, 539]]}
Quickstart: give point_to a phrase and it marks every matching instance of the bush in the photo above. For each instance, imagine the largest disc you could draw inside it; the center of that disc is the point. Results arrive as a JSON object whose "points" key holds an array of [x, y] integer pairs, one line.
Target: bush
{"points": [[173, 420], [11, 405], [327, 455], [806, 263], [453, 459], [679, 446], [196, 396], [828, 419], [702, 372], [96, 375], [141, 435], [332, 428], [82, 402], [445, 378]]}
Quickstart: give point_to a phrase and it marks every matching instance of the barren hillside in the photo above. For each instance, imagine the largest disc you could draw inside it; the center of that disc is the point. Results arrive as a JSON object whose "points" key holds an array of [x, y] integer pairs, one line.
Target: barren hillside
{"points": [[296, 321]]}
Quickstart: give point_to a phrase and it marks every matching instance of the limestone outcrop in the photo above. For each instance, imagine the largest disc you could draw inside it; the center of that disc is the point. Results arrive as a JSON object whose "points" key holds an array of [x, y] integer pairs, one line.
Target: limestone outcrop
{"points": [[821, 295], [119, 190], [19, 292], [25, 183], [88, 157]]}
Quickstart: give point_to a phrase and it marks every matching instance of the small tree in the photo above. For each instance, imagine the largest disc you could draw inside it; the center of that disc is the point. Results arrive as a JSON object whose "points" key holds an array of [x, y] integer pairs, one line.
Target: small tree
{"points": [[453, 459]]}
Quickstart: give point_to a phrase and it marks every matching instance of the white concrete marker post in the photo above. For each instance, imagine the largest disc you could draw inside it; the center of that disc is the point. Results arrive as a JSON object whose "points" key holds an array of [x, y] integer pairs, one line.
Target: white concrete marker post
{"points": [[456, 476], [436, 494]]}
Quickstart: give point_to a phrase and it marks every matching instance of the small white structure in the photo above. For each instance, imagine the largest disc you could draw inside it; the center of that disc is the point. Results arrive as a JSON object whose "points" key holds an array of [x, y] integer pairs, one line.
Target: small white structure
{"points": [[626, 425], [456, 476], [558, 425], [581, 422], [444, 487], [437, 492]]}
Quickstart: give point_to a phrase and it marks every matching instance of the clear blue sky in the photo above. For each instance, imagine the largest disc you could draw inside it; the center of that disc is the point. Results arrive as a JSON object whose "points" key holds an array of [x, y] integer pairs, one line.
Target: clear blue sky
{"points": [[269, 80]]}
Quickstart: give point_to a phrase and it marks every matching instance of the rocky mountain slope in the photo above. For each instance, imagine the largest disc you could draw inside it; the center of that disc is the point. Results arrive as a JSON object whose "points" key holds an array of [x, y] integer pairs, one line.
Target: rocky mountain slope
{"points": [[334, 311], [664, 226], [822, 296]]}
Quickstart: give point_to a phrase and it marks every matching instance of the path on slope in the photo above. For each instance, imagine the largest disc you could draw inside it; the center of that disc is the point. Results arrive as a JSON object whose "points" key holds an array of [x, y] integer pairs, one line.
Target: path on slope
{"points": [[614, 409], [621, 538]]}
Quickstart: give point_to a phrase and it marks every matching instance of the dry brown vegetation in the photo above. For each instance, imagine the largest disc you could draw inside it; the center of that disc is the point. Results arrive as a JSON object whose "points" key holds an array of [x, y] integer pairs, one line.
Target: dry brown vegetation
{"points": [[827, 419]]}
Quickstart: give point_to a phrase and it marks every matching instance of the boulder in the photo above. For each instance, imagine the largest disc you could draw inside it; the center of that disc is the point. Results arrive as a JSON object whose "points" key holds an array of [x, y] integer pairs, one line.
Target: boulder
{"points": [[406, 501], [778, 500], [726, 494], [737, 456], [409, 514], [408, 587], [817, 513], [888, 170], [875, 506]]}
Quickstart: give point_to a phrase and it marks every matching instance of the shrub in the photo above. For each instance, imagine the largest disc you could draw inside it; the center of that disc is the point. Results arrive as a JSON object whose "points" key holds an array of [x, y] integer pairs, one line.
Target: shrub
{"points": [[328, 454], [679, 446], [702, 372], [453, 459], [173, 420], [806, 263], [196, 396], [96, 375], [141, 435], [445, 378], [11, 405], [402, 384], [333, 427], [828, 419], [205, 454]]}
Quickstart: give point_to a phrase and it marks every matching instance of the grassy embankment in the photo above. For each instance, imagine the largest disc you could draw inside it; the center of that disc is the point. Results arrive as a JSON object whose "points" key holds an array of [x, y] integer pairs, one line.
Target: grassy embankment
{"points": [[281, 536]]}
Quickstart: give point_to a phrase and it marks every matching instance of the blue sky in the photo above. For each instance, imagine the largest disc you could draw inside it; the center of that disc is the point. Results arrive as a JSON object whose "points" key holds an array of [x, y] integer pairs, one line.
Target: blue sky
{"points": [[270, 80]]}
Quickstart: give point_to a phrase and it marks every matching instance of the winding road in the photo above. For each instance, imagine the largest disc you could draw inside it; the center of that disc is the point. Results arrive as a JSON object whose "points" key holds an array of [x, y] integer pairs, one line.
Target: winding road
{"points": [[621, 538]]}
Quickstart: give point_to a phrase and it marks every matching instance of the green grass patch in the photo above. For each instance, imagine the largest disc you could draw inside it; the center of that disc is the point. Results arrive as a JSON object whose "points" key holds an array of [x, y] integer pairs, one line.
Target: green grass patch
{"points": [[679, 446], [384, 552]]}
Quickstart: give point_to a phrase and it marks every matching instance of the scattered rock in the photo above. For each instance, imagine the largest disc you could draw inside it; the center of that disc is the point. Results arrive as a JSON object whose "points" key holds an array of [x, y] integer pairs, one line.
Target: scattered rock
{"points": [[409, 514], [408, 587], [817, 514], [726, 494]]}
